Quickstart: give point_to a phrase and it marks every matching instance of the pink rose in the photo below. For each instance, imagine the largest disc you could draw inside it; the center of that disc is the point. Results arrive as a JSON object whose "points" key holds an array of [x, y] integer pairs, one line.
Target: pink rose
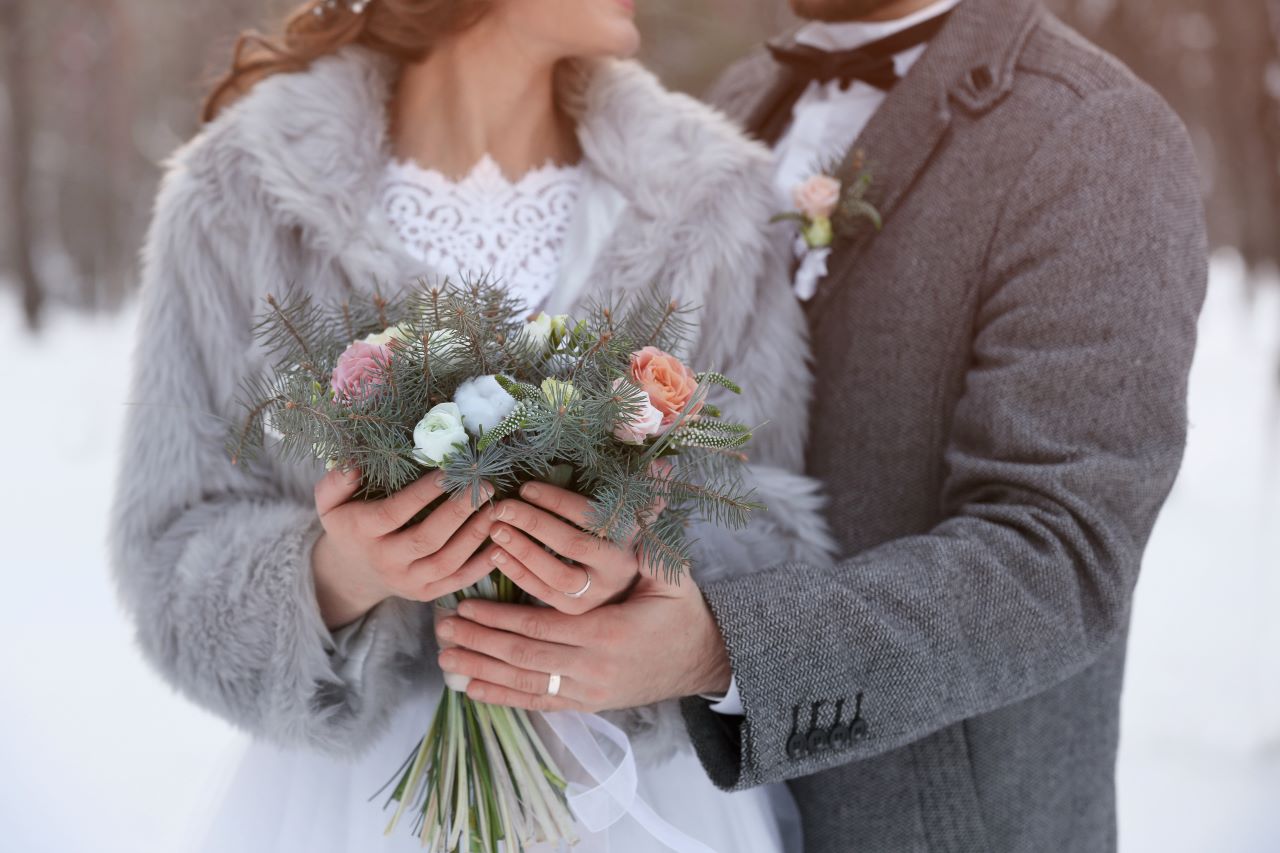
{"points": [[669, 384], [817, 197], [645, 425], [359, 370]]}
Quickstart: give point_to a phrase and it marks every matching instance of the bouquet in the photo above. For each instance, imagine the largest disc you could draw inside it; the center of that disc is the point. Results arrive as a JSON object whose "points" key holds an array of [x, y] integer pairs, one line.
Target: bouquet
{"points": [[452, 378]]}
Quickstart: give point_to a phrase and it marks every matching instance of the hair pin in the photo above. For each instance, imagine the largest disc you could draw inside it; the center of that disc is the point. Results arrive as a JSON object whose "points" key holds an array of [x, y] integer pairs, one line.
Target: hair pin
{"points": [[355, 7]]}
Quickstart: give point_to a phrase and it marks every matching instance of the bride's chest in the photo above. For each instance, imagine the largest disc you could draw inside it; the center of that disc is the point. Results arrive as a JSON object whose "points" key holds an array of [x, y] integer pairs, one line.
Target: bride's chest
{"points": [[513, 232]]}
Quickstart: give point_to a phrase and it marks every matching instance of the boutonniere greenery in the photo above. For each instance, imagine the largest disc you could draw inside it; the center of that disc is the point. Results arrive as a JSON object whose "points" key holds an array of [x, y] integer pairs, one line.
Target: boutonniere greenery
{"points": [[825, 209]]}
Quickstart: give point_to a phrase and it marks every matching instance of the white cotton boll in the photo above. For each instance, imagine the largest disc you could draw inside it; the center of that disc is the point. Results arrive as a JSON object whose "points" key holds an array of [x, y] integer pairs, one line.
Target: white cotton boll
{"points": [[484, 403]]}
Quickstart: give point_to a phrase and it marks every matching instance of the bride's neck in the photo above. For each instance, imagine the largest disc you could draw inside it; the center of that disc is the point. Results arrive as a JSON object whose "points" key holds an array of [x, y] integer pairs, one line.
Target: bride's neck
{"points": [[481, 92]]}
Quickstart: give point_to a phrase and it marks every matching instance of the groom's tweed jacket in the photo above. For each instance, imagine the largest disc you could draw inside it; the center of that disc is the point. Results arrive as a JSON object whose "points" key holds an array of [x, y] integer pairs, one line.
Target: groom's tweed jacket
{"points": [[1000, 413]]}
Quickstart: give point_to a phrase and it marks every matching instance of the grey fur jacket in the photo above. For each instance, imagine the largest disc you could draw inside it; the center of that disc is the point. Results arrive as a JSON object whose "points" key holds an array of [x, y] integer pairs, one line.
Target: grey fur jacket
{"points": [[212, 561]]}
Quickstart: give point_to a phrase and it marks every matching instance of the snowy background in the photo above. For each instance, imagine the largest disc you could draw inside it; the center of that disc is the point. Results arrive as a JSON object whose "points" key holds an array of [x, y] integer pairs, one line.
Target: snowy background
{"points": [[100, 756]]}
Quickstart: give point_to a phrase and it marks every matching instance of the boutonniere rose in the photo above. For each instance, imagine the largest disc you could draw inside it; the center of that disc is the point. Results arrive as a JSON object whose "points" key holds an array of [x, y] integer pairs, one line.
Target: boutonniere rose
{"points": [[824, 208], [816, 200]]}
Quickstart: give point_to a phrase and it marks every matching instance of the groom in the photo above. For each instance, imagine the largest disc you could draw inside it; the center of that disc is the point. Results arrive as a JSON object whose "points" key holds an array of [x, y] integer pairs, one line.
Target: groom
{"points": [[1000, 411]]}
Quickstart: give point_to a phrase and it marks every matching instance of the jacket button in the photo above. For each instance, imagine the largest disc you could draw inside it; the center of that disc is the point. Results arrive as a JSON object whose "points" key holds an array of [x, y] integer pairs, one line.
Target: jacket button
{"points": [[797, 746], [840, 735], [818, 740], [858, 729]]}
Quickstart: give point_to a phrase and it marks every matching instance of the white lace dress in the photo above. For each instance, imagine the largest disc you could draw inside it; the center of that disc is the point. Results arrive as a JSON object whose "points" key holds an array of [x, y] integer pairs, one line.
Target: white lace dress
{"points": [[294, 801]]}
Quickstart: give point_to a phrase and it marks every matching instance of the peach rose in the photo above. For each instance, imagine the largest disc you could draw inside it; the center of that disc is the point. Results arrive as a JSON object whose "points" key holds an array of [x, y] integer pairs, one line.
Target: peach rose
{"points": [[817, 197], [669, 384]]}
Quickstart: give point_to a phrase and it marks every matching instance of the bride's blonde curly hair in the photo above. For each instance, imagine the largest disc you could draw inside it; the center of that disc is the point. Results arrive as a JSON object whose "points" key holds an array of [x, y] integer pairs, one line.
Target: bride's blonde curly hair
{"points": [[404, 29]]}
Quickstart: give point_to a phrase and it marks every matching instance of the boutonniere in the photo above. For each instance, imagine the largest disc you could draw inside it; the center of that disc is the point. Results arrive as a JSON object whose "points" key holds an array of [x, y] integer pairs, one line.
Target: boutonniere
{"points": [[825, 210]]}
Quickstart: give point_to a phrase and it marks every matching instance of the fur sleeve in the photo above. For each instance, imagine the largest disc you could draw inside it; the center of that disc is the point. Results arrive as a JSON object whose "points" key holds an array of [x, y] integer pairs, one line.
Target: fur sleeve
{"points": [[755, 332], [213, 561]]}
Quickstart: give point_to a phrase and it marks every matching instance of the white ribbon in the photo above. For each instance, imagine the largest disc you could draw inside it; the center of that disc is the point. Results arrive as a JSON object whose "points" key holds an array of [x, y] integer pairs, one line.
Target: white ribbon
{"points": [[614, 793], [812, 269]]}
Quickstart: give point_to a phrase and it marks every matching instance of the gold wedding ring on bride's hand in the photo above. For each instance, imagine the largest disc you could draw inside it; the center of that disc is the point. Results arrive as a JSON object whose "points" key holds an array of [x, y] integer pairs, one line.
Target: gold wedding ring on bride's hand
{"points": [[586, 586], [553, 685]]}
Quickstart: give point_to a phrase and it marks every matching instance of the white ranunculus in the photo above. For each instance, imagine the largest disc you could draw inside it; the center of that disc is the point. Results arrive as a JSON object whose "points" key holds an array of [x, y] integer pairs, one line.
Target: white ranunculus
{"points": [[387, 335], [443, 338], [483, 403], [437, 435], [560, 325], [538, 330], [546, 330], [558, 393], [442, 343]]}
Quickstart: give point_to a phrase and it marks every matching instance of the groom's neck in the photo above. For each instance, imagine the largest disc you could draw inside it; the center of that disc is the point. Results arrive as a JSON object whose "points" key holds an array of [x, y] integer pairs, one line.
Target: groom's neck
{"points": [[845, 11]]}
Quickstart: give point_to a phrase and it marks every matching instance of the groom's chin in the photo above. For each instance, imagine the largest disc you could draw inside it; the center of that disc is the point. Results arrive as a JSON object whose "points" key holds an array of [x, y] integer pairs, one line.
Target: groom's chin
{"points": [[837, 10]]}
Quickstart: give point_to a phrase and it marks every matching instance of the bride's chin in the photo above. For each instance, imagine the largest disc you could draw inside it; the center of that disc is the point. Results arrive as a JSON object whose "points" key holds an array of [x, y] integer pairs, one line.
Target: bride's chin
{"points": [[623, 44]]}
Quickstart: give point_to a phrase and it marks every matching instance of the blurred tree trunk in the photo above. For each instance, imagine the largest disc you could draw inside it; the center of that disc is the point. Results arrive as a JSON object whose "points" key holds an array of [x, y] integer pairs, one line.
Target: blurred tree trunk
{"points": [[90, 109], [18, 164], [1218, 63]]}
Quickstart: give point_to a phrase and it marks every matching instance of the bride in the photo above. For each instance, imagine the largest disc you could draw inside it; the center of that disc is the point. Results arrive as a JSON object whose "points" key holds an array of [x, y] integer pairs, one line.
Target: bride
{"points": [[369, 144]]}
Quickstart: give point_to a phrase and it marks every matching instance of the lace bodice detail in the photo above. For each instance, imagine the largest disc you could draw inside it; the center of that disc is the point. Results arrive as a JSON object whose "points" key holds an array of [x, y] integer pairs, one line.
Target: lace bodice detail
{"points": [[514, 231]]}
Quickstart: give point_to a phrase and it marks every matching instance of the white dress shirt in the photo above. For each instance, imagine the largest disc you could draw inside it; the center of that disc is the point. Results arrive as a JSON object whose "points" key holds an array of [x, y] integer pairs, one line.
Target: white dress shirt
{"points": [[827, 119], [825, 122]]}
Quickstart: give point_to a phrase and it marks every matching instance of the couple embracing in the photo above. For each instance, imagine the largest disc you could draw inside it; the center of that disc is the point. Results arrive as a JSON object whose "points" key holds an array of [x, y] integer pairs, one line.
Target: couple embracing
{"points": [[954, 253]]}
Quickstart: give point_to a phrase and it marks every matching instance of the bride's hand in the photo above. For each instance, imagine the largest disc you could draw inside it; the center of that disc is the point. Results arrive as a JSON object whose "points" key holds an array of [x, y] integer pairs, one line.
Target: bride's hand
{"points": [[554, 517], [364, 557]]}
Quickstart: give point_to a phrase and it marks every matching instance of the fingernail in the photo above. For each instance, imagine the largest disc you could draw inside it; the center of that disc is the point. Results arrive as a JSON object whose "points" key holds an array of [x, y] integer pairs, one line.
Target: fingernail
{"points": [[465, 608], [446, 660], [500, 557], [500, 511], [444, 629], [531, 491], [501, 535], [477, 692]]}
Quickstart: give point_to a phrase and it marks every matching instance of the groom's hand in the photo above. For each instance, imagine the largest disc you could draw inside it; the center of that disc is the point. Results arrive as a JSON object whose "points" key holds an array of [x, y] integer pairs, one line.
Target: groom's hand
{"points": [[660, 643]]}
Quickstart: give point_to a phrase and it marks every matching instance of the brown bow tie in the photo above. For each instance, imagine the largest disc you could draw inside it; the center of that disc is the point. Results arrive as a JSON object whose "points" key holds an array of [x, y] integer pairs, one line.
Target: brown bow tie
{"points": [[871, 63]]}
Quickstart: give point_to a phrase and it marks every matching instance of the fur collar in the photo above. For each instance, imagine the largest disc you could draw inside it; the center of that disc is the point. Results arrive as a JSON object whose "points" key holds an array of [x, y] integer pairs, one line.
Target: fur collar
{"points": [[314, 143]]}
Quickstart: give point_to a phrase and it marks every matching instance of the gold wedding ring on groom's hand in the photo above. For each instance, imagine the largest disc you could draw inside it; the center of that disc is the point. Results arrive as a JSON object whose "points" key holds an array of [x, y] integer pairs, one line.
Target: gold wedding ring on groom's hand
{"points": [[586, 586]]}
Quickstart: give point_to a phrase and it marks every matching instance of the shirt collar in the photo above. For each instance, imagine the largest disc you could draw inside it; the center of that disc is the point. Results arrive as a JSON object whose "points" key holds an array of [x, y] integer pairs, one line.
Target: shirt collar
{"points": [[854, 34]]}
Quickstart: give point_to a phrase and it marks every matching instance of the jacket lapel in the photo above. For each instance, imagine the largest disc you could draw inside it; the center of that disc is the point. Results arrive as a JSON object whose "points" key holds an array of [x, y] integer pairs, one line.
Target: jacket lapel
{"points": [[970, 63]]}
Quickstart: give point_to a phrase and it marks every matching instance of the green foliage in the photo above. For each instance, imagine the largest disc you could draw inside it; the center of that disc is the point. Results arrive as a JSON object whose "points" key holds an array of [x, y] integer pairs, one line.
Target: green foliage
{"points": [[571, 391]]}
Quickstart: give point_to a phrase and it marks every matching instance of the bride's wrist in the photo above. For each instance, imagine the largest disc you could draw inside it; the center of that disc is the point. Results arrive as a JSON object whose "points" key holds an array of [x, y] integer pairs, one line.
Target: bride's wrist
{"points": [[341, 601]]}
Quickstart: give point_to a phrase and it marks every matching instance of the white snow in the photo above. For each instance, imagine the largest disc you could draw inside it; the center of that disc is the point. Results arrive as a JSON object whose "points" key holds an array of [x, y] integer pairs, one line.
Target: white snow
{"points": [[98, 755]]}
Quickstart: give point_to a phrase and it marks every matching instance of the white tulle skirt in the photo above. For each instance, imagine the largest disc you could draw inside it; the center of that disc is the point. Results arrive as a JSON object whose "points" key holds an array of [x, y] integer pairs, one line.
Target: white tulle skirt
{"points": [[272, 800]]}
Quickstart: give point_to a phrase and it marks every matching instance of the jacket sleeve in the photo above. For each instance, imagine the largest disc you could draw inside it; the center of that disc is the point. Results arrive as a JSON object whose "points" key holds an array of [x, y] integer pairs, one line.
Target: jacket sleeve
{"points": [[213, 561], [1063, 447]]}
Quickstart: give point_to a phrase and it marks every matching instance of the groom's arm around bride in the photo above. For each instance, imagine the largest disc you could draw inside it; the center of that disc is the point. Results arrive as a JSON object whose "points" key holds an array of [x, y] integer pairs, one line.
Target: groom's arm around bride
{"points": [[999, 415]]}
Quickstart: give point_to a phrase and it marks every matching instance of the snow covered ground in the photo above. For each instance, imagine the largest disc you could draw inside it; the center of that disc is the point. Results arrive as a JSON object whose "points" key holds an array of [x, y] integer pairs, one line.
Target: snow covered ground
{"points": [[99, 756]]}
